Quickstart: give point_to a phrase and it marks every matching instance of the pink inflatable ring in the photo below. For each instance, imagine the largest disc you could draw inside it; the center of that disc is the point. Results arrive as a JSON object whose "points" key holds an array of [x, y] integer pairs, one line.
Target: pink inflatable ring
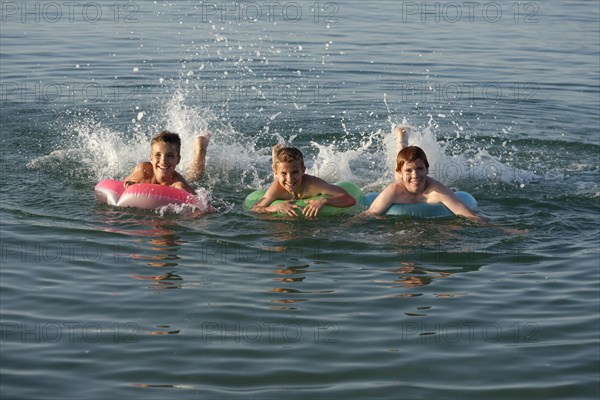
{"points": [[141, 195]]}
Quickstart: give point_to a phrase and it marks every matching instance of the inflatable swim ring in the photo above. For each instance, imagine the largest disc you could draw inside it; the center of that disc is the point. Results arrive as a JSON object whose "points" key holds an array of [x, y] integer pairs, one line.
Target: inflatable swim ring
{"points": [[422, 209], [350, 187], [141, 195]]}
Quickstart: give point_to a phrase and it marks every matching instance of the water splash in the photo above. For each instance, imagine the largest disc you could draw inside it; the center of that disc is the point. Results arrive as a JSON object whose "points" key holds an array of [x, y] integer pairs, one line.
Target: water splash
{"points": [[241, 161], [372, 160], [203, 206], [89, 150]]}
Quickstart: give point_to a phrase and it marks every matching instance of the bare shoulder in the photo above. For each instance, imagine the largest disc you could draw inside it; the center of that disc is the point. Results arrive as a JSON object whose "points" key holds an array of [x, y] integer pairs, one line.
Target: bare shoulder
{"points": [[435, 185], [385, 199], [142, 173], [439, 193], [181, 183], [276, 192], [395, 188], [144, 166], [315, 186], [436, 190], [312, 180], [391, 192], [146, 169]]}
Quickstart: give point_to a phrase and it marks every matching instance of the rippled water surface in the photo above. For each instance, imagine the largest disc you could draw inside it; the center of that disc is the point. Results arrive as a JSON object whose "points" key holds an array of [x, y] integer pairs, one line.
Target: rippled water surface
{"points": [[99, 302]]}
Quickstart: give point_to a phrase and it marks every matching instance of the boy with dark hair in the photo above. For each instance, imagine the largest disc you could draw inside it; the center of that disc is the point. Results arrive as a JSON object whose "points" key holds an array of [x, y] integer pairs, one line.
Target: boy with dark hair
{"points": [[164, 157]]}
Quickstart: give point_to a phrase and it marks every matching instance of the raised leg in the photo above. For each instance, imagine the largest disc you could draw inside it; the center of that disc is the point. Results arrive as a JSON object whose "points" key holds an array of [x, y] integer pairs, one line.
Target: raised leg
{"points": [[401, 137], [196, 169], [275, 150]]}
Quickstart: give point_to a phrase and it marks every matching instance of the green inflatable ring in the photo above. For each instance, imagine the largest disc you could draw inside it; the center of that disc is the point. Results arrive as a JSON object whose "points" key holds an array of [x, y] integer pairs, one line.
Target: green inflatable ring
{"points": [[349, 187]]}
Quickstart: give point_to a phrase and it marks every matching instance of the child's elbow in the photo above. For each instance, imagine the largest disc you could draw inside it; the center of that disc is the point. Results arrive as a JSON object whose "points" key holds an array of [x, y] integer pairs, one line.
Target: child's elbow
{"points": [[350, 201], [373, 211]]}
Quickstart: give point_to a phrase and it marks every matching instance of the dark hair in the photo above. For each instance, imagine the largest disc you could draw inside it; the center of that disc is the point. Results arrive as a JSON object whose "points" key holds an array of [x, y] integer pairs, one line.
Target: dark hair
{"points": [[410, 154], [167, 137]]}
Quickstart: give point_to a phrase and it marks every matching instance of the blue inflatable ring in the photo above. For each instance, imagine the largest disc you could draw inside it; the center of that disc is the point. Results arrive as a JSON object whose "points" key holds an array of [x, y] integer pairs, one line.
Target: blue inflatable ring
{"points": [[424, 210]]}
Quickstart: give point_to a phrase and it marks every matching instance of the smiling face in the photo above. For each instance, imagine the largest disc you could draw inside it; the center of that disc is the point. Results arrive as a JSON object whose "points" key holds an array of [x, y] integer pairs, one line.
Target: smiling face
{"points": [[412, 168], [289, 175], [414, 175], [164, 157]]}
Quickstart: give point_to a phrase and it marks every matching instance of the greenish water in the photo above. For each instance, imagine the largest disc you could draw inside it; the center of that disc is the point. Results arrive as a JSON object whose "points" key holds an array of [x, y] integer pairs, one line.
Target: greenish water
{"points": [[98, 302]]}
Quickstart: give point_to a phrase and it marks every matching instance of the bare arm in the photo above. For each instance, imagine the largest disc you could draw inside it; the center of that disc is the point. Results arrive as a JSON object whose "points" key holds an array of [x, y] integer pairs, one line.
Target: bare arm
{"points": [[274, 192], [183, 185], [447, 197], [455, 205], [383, 201], [337, 197], [459, 208], [141, 173]]}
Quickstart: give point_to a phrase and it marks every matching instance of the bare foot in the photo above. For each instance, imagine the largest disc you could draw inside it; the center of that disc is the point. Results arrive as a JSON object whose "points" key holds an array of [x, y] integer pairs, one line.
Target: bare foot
{"points": [[201, 143], [196, 168], [401, 133]]}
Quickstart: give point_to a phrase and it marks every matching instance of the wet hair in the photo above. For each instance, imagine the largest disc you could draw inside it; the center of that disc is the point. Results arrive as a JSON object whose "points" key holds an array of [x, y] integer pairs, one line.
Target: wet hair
{"points": [[288, 154], [410, 154], [167, 137]]}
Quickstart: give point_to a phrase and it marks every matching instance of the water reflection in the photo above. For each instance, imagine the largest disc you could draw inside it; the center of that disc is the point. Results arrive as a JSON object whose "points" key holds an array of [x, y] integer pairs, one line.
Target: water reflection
{"points": [[157, 244], [165, 280], [289, 275], [165, 330], [411, 275], [293, 265]]}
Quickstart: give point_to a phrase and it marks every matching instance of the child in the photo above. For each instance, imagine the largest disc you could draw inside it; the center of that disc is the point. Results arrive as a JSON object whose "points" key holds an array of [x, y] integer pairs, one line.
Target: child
{"points": [[291, 183], [164, 156], [414, 186]]}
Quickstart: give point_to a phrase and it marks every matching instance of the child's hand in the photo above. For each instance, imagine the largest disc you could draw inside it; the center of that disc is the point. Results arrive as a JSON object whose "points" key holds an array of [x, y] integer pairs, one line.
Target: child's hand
{"points": [[313, 207], [288, 208]]}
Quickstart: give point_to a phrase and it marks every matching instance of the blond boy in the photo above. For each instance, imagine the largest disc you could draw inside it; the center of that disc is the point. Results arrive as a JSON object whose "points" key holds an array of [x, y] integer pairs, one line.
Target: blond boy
{"points": [[292, 183]]}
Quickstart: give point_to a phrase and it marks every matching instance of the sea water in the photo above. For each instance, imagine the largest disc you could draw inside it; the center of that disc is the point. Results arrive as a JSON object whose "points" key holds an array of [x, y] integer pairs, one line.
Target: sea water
{"points": [[99, 302]]}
